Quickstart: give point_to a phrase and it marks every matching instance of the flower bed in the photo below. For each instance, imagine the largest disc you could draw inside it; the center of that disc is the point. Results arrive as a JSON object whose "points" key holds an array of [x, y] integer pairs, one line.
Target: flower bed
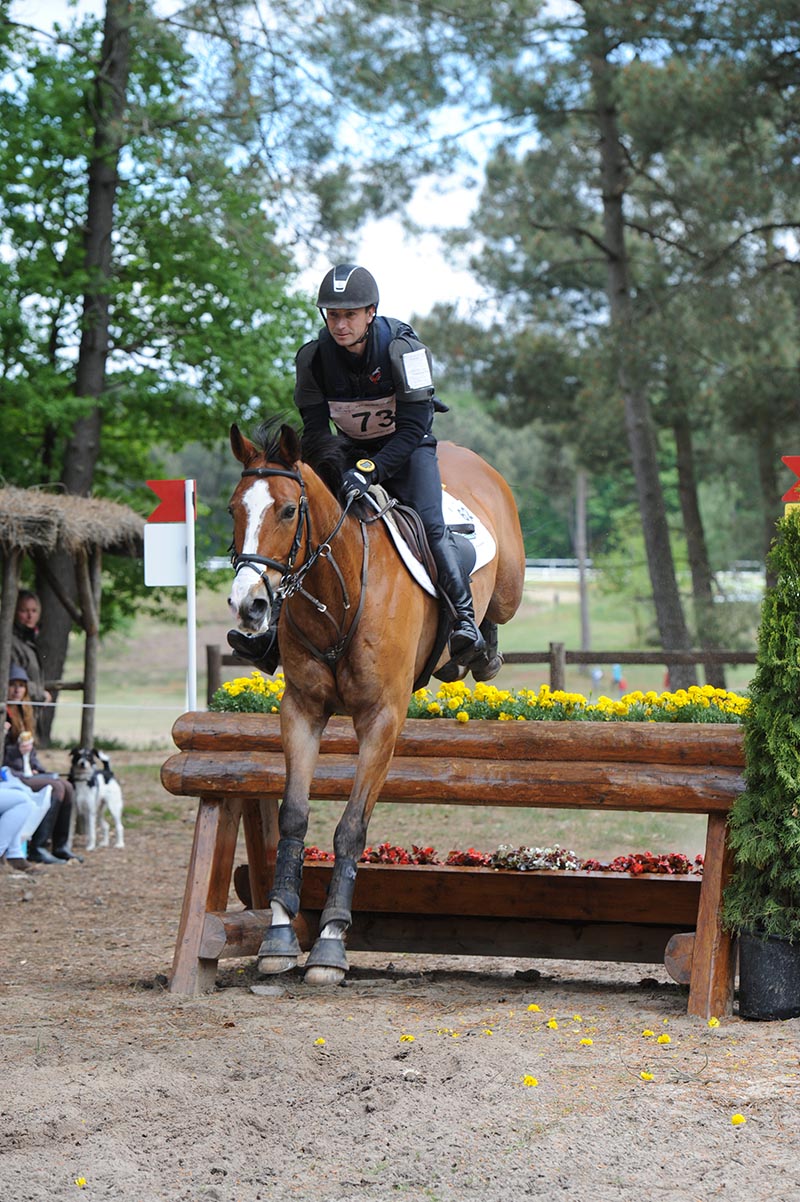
{"points": [[524, 859], [261, 694]]}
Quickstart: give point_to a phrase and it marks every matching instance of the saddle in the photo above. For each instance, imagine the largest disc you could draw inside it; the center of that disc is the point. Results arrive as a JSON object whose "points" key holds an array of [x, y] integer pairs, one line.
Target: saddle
{"points": [[412, 531]]}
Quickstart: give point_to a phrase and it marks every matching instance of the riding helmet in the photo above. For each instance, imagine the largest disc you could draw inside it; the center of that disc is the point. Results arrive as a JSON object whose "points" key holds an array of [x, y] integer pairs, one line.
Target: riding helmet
{"points": [[347, 286]]}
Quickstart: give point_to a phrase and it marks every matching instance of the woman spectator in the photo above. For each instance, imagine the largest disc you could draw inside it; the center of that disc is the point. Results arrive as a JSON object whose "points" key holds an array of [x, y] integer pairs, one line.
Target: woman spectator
{"points": [[25, 646], [20, 756], [21, 811]]}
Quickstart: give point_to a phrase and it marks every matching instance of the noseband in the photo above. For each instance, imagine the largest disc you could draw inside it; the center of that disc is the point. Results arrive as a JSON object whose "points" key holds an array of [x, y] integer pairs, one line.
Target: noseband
{"points": [[292, 578]]}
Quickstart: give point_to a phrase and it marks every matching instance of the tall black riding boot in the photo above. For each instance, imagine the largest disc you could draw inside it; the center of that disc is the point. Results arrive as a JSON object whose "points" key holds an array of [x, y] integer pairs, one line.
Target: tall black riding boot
{"points": [[466, 641], [38, 852]]}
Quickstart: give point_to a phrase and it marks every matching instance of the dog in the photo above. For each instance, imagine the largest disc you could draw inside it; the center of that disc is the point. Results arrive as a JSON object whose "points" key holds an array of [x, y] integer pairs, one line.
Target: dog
{"points": [[97, 792]]}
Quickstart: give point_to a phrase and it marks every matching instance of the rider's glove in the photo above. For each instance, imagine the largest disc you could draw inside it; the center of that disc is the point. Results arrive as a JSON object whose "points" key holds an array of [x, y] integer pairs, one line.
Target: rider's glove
{"points": [[357, 480]]}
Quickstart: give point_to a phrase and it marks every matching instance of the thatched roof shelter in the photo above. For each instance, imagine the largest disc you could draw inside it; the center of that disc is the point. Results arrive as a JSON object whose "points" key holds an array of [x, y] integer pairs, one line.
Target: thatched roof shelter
{"points": [[33, 520], [38, 523]]}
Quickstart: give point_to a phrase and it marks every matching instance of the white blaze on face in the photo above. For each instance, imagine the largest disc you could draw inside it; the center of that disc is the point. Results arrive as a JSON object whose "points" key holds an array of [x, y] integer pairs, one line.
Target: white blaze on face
{"points": [[247, 582]]}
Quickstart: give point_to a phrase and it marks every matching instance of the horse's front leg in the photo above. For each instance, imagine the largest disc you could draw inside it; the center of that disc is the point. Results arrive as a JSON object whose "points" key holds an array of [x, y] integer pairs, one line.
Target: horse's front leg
{"points": [[300, 734], [327, 961]]}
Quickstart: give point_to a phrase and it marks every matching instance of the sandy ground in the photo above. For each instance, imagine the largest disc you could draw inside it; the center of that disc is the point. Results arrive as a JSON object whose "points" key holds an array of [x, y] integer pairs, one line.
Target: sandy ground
{"points": [[414, 1080]]}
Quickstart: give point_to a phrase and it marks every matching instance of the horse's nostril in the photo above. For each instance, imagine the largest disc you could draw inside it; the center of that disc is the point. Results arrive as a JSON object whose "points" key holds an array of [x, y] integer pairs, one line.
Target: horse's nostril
{"points": [[257, 609]]}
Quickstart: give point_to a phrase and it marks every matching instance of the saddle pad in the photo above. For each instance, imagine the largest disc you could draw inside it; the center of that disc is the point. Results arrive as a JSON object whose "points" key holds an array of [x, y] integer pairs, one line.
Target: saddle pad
{"points": [[455, 513]]}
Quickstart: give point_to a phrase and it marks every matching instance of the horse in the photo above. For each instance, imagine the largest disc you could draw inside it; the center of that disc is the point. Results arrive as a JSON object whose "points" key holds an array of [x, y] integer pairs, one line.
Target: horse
{"points": [[355, 630]]}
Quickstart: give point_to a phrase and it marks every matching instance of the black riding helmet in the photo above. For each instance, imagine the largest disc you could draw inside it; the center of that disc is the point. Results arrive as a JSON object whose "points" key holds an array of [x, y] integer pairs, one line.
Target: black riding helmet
{"points": [[347, 286]]}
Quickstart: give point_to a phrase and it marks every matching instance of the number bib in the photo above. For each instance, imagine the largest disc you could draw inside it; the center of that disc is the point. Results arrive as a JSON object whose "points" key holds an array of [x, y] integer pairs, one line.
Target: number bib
{"points": [[364, 418]]}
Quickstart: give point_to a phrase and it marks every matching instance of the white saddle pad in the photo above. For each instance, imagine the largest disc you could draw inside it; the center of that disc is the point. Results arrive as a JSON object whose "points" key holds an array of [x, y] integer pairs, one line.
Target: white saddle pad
{"points": [[456, 513]]}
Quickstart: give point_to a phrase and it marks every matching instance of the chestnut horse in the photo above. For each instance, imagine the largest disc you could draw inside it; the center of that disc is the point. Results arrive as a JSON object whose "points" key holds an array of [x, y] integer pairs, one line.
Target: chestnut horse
{"points": [[355, 631]]}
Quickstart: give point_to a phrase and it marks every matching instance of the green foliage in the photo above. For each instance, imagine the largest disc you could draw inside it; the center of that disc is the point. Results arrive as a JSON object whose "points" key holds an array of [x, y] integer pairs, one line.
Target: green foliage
{"points": [[764, 894]]}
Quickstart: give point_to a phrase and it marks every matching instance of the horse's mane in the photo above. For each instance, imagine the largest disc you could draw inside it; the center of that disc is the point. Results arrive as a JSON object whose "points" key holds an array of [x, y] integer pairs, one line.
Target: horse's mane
{"points": [[322, 450]]}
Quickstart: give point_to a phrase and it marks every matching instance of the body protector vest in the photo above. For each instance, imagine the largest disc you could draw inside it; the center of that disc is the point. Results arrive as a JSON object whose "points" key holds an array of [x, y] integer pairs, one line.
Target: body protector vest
{"points": [[362, 393]]}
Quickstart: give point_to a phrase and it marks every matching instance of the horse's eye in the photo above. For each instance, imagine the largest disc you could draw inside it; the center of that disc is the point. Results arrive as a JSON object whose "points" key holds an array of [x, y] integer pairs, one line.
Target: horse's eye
{"points": [[288, 511], [230, 511]]}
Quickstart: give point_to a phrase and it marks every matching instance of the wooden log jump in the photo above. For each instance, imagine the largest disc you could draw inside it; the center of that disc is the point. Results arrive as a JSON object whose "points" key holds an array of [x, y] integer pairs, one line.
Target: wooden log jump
{"points": [[234, 764]]}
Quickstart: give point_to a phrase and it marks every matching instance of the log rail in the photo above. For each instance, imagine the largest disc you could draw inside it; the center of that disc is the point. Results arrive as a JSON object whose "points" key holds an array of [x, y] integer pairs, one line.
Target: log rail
{"points": [[234, 764]]}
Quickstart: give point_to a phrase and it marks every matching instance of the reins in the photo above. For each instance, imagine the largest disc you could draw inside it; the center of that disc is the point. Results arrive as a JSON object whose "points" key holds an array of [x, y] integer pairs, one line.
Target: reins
{"points": [[292, 578]]}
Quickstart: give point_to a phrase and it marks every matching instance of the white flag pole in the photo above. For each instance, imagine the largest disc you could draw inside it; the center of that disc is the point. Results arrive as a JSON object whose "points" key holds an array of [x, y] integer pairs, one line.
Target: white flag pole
{"points": [[191, 610]]}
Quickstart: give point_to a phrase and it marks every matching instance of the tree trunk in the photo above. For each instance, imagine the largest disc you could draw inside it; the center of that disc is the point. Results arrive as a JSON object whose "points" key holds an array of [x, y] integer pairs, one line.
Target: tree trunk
{"points": [[638, 419], [702, 581], [106, 112]]}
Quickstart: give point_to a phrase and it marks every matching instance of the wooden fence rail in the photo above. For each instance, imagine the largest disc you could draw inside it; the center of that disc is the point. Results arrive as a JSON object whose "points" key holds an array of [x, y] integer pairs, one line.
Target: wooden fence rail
{"points": [[556, 657]]}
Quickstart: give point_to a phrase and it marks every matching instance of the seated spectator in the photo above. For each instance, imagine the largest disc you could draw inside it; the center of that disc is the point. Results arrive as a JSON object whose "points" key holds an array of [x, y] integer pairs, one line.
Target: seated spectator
{"points": [[19, 803], [20, 756], [18, 810], [25, 646]]}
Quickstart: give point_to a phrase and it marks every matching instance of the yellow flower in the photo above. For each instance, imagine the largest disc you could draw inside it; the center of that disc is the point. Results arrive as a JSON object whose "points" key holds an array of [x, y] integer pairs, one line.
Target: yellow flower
{"points": [[552, 1024], [535, 1008], [647, 1033], [80, 1182], [713, 1022], [576, 1018], [488, 1031], [528, 1080], [406, 1038], [318, 1043], [738, 1119], [645, 1075], [663, 1039], [462, 716], [587, 1043]]}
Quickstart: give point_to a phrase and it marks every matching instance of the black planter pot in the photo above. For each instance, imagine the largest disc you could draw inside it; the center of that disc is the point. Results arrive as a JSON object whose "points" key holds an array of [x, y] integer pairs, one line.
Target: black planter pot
{"points": [[769, 977]]}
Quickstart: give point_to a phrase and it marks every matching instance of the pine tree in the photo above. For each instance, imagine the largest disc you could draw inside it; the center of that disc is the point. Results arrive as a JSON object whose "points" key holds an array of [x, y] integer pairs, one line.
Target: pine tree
{"points": [[764, 894]]}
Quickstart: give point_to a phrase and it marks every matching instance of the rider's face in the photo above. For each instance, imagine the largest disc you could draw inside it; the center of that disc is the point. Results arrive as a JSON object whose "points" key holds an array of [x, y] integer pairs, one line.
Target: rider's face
{"points": [[348, 326]]}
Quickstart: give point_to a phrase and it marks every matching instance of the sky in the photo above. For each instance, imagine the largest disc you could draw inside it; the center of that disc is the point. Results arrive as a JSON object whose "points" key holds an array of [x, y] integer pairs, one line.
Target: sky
{"points": [[412, 271]]}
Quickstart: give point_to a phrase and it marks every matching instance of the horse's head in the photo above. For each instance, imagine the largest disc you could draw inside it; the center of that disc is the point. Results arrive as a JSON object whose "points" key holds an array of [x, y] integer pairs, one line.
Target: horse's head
{"points": [[267, 511]]}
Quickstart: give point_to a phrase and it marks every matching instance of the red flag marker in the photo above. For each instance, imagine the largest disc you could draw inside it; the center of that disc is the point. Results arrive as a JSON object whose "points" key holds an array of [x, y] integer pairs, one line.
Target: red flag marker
{"points": [[171, 494], [793, 464]]}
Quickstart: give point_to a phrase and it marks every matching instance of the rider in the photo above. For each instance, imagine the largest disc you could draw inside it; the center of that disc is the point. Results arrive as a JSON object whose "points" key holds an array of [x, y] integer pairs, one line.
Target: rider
{"points": [[371, 376]]}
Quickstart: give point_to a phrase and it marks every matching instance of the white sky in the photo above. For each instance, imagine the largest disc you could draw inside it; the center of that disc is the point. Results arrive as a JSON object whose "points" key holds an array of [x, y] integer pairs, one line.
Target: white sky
{"points": [[412, 272]]}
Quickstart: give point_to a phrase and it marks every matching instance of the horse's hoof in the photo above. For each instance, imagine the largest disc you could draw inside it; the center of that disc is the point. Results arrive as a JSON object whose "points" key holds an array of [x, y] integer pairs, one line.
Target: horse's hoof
{"points": [[326, 963], [279, 951], [323, 976], [487, 669], [450, 672], [270, 966]]}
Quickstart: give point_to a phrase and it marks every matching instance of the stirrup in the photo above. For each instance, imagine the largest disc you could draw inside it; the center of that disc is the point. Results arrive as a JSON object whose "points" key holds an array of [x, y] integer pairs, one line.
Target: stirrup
{"points": [[466, 648]]}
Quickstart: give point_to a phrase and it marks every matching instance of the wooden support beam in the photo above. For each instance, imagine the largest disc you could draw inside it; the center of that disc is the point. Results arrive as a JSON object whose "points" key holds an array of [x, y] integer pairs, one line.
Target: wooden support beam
{"points": [[207, 886], [713, 959]]}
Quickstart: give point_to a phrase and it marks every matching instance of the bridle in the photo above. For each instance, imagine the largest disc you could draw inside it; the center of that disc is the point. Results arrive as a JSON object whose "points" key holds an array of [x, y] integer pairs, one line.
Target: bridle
{"points": [[292, 577]]}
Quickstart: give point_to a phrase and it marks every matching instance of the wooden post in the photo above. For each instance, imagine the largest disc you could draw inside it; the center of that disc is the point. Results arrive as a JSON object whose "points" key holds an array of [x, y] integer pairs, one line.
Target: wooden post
{"points": [[8, 604], [207, 885], [713, 960], [557, 666], [89, 578], [213, 670]]}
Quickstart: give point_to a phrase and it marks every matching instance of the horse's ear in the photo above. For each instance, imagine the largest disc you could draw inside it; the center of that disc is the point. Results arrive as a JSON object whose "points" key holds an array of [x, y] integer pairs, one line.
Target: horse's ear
{"points": [[244, 450], [290, 445]]}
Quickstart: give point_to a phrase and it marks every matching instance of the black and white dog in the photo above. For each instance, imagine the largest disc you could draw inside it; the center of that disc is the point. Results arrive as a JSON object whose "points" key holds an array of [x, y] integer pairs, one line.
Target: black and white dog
{"points": [[97, 791]]}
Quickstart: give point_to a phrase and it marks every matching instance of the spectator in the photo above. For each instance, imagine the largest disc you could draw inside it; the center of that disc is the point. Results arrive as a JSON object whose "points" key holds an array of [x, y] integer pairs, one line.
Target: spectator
{"points": [[25, 647], [13, 795], [18, 810], [20, 756]]}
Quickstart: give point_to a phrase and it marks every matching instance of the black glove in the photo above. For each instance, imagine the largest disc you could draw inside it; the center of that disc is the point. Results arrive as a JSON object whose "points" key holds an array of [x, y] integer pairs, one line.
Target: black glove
{"points": [[357, 482]]}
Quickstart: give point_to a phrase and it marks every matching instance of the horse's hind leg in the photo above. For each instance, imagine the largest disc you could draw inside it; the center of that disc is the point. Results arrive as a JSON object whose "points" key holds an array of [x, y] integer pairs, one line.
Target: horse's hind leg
{"points": [[490, 663]]}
